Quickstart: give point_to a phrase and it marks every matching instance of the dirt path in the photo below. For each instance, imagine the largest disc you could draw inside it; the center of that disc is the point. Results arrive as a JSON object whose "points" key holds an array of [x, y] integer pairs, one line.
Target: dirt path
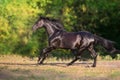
{"points": [[19, 68]]}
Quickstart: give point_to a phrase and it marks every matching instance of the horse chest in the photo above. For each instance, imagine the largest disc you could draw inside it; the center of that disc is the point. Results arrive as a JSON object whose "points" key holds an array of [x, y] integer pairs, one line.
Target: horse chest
{"points": [[55, 42]]}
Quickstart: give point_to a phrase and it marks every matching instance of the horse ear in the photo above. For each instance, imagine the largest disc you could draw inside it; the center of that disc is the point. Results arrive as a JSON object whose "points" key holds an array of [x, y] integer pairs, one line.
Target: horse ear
{"points": [[41, 17]]}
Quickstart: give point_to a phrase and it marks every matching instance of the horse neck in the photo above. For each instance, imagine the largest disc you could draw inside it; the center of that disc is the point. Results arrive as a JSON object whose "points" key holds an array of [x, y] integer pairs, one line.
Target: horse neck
{"points": [[57, 25], [50, 29]]}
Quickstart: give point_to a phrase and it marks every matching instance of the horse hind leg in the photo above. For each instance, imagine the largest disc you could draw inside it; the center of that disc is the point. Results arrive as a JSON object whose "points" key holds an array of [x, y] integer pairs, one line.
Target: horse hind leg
{"points": [[93, 54], [74, 60], [77, 54]]}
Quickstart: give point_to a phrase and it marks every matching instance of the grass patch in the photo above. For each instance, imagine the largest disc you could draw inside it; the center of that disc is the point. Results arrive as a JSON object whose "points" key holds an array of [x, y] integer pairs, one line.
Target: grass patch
{"points": [[115, 74]]}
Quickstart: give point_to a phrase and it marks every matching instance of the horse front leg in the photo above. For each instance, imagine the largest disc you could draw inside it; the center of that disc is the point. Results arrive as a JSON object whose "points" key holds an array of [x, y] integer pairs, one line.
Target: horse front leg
{"points": [[44, 54], [39, 57]]}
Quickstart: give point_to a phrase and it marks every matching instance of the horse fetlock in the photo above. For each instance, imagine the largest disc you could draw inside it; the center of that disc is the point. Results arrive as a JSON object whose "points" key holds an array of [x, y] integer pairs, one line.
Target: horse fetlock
{"points": [[40, 63], [69, 64], [94, 65]]}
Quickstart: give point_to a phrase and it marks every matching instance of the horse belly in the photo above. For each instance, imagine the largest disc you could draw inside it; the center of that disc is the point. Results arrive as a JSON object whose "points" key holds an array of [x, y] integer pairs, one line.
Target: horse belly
{"points": [[68, 42]]}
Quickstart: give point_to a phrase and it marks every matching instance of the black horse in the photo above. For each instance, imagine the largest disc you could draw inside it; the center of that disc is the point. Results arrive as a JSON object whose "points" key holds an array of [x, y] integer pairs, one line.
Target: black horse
{"points": [[77, 42]]}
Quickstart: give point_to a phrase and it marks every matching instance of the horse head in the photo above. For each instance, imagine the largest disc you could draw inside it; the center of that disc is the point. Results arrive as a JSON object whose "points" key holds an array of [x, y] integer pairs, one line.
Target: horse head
{"points": [[42, 21], [39, 23]]}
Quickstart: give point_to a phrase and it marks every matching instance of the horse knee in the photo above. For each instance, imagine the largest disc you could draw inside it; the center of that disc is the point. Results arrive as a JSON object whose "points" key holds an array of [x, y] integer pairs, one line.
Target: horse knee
{"points": [[95, 55]]}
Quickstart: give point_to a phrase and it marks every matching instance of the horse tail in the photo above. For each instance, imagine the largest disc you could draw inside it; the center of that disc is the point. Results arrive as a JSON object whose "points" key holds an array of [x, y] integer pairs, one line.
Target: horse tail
{"points": [[107, 44]]}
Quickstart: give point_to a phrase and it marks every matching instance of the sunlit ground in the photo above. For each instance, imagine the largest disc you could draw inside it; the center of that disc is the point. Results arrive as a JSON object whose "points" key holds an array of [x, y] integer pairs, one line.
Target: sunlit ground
{"points": [[13, 67]]}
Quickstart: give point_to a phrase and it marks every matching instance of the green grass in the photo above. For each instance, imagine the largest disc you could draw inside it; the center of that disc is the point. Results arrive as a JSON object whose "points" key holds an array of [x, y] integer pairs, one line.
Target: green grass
{"points": [[115, 74]]}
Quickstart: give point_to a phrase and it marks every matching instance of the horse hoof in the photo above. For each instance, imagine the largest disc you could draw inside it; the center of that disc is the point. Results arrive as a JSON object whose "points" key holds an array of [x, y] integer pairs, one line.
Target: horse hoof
{"points": [[93, 66], [69, 64], [40, 63]]}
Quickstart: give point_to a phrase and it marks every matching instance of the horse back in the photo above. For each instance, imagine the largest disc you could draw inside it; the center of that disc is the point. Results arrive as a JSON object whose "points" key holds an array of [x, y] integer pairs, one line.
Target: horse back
{"points": [[77, 39]]}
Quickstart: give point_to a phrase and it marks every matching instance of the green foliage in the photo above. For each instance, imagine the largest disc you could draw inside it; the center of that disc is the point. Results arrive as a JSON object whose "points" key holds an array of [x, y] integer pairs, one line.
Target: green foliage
{"points": [[15, 24], [17, 17]]}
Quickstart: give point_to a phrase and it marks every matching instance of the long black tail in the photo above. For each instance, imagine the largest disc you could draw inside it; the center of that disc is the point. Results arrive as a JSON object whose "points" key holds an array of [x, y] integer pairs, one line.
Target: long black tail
{"points": [[107, 44]]}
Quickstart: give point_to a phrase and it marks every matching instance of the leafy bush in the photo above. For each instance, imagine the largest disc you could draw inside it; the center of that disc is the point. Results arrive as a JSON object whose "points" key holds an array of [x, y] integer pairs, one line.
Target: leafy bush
{"points": [[100, 17]]}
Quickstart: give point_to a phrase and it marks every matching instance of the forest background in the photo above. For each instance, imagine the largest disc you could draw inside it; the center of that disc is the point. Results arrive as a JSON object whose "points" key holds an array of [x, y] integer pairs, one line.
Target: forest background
{"points": [[101, 17]]}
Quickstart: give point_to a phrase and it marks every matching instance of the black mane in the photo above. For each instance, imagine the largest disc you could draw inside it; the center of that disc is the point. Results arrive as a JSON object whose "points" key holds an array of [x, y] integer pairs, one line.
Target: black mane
{"points": [[54, 21], [50, 19]]}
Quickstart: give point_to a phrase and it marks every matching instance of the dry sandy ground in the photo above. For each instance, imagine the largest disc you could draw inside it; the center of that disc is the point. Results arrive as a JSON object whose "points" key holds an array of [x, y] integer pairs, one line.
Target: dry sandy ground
{"points": [[22, 68]]}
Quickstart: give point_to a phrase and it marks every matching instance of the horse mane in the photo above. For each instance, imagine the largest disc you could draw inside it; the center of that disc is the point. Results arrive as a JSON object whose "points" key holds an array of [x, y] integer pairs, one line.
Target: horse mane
{"points": [[55, 22], [50, 19]]}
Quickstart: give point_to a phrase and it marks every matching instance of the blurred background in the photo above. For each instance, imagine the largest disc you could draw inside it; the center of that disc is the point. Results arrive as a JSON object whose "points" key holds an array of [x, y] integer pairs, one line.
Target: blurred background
{"points": [[101, 17]]}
